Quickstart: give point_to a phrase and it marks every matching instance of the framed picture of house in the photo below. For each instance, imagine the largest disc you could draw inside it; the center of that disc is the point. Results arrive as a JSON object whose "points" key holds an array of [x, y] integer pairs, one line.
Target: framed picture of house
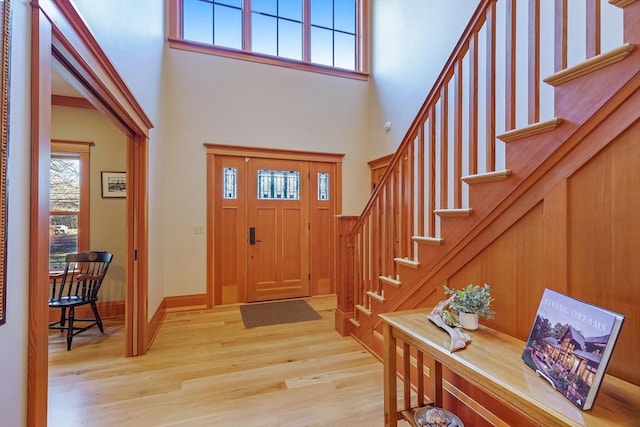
{"points": [[114, 184], [4, 144]]}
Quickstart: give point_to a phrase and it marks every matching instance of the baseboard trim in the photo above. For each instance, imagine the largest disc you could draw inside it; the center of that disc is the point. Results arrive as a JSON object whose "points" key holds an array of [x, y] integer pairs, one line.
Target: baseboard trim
{"points": [[155, 322], [186, 302]]}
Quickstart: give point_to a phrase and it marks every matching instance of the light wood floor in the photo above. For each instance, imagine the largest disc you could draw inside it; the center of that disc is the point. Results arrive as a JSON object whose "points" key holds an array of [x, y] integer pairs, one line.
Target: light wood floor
{"points": [[206, 369]]}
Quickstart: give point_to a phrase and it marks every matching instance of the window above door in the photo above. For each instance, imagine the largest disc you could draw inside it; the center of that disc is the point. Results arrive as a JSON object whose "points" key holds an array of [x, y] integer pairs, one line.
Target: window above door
{"points": [[326, 36]]}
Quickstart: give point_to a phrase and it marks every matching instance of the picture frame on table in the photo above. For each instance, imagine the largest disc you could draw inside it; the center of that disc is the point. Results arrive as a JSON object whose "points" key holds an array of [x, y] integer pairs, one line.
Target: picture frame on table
{"points": [[114, 184]]}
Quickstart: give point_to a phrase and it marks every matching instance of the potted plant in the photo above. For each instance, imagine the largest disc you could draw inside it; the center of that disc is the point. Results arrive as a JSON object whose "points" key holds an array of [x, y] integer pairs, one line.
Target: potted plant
{"points": [[470, 303]]}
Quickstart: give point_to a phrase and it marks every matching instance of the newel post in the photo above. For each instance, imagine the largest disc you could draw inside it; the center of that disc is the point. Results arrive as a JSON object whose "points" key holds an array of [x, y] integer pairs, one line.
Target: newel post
{"points": [[344, 273]]}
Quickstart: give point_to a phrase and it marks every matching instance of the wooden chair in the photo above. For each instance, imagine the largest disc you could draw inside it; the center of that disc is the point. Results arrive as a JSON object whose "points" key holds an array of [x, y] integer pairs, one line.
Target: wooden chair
{"points": [[78, 285]]}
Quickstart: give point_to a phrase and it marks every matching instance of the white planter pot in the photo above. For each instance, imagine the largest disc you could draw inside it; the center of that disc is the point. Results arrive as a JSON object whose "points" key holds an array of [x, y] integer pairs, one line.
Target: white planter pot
{"points": [[469, 321]]}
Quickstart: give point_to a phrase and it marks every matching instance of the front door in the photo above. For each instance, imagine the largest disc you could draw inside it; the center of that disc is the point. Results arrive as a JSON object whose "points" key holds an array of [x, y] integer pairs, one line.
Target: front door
{"points": [[277, 229]]}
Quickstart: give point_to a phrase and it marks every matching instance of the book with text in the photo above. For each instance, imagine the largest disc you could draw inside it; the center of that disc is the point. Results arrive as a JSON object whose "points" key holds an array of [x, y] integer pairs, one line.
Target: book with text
{"points": [[570, 345]]}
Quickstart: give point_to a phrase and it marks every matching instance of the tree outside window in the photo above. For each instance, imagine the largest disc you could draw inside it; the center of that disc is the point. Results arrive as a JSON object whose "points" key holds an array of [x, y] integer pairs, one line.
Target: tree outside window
{"points": [[69, 207]]}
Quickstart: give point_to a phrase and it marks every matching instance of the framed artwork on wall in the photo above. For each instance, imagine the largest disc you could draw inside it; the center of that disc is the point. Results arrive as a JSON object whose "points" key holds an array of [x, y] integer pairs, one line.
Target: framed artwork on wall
{"points": [[114, 184], [4, 144]]}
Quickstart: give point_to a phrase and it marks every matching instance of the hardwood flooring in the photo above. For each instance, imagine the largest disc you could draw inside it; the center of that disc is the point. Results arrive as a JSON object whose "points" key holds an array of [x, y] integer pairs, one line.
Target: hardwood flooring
{"points": [[206, 369]]}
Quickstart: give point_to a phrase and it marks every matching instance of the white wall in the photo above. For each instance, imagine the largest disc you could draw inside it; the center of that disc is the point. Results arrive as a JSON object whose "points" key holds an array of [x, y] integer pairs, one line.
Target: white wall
{"points": [[14, 333], [411, 41], [202, 98], [132, 35], [235, 102], [107, 216]]}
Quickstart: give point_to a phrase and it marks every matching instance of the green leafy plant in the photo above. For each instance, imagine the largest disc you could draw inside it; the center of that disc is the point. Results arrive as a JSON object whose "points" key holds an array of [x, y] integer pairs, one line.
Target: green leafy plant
{"points": [[472, 299]]}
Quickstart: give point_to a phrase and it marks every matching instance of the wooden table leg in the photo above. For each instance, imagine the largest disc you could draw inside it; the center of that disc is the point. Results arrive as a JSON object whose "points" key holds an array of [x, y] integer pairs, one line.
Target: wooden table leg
{"points": [[390, 379], [435, 382]]}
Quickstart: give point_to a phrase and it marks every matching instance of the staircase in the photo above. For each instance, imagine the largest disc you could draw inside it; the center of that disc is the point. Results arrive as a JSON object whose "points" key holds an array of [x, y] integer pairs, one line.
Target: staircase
{"points": [[486, 165]]}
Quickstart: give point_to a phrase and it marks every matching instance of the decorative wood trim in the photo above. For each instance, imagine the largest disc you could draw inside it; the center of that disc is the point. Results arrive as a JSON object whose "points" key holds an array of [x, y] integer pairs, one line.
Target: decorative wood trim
{"points": [[376, 296], [71, 146], [38, 352], [355, 322], [272, 153], [363, 35], [343, 322], [174, 19], [389, 281], [156, 322], [530, 130], [211, 184], [71, 101], [191, 46], [363, 309], [186, 302], [344, 260], [5, 38], [590, 65], [450, 213], [407, 262], [423, 240], [487, 177], [380, 162], [621, 3]]}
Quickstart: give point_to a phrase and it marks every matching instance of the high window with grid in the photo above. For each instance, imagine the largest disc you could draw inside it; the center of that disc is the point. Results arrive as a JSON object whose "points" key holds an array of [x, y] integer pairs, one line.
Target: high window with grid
{"points": [[318, 35]]}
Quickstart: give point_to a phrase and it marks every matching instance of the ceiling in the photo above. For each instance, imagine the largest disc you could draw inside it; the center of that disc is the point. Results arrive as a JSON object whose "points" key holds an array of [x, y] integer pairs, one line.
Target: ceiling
{"points": [[60, 86]]}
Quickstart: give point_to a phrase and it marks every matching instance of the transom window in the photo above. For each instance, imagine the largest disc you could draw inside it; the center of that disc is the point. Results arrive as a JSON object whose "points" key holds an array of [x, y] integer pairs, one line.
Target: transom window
{"points": [[318, 35], [278, 185]]}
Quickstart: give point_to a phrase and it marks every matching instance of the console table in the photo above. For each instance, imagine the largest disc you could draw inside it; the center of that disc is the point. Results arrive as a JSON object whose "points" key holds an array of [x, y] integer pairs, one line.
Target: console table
{"points": [[492, 362]]}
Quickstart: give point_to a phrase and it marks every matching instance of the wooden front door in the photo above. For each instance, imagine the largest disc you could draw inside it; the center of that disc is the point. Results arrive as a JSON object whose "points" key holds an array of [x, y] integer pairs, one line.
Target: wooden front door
{"points": [[271, 221], [277, 229]]}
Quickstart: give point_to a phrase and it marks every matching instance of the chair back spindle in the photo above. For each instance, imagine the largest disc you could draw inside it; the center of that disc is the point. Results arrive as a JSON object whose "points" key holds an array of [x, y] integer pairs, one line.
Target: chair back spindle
{"points": [[79, 285]]}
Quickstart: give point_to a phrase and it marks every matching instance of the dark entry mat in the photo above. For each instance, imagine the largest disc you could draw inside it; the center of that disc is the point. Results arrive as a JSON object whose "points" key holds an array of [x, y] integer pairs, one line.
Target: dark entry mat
{"points": [[276, 313]]}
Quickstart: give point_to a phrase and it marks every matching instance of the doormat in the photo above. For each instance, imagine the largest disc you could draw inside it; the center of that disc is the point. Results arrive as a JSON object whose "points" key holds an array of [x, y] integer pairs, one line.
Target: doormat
{"points": [[276, 313]]}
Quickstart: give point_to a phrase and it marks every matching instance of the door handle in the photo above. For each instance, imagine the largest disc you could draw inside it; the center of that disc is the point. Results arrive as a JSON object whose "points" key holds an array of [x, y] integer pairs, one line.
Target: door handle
{"points": [[252, 236]]}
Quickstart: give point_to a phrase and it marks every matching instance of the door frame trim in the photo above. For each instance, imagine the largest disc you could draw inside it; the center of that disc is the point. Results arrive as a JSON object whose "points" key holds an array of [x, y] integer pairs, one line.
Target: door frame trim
{"points": [[59, 35], [213, 150]]}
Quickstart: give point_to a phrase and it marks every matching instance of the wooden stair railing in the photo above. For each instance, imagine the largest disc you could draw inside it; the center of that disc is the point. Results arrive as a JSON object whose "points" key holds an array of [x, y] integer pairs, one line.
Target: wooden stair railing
{"points": [[453, 139]]}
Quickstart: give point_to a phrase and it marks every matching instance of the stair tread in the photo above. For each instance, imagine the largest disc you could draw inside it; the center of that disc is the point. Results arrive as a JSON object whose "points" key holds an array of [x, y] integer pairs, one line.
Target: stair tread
{"points": [[590, 65], [407, 262], [390, 281]]}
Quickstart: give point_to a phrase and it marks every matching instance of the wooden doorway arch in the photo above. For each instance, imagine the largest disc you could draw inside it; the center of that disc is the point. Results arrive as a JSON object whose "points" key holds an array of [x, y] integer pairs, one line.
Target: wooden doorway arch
{"points": [[59, 35]]}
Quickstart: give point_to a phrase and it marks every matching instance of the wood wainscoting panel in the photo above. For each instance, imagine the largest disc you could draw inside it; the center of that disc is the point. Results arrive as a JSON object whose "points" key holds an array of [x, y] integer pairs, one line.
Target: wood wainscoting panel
{"points": [[604, 241], [230, 242], [513, 265], [323, 230]]}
